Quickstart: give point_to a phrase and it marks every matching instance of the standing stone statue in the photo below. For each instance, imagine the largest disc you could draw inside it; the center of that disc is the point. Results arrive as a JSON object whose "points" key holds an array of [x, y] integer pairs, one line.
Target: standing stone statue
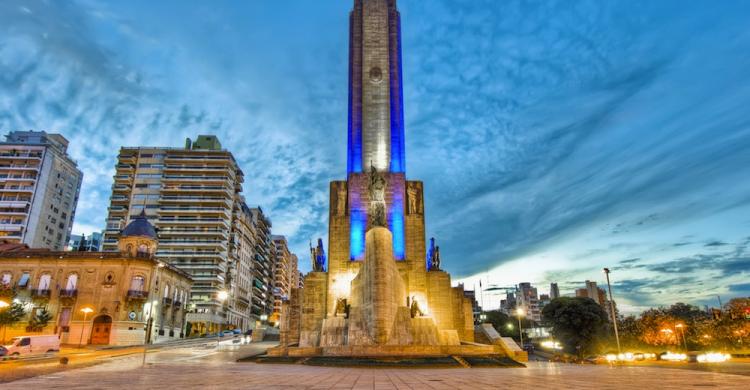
{"points": [[341, 308], [436, 259], [376, 189], [415, 310], [341, 196]]}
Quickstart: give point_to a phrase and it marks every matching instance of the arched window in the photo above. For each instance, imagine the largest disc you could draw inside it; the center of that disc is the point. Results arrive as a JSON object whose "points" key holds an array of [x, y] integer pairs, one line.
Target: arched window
{"points": [[143, 250], [6, 279], [72, 282], [44, 281], [166, 291], [138, 283]]}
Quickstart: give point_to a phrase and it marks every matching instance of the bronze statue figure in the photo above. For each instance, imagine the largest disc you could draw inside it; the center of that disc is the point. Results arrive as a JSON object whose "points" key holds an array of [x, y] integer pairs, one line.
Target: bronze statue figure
{"points": [[341, 308], [415, 310], [377, 207]]}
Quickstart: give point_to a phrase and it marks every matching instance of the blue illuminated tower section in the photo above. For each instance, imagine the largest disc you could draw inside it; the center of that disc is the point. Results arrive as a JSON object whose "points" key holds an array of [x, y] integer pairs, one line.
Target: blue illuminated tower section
{"points": [[376, 115], [375, 21]]}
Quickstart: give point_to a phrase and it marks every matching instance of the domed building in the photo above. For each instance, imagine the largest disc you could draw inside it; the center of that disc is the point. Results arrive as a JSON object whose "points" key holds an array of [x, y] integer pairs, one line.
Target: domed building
{"points": [[139, 238], [117, 298]]}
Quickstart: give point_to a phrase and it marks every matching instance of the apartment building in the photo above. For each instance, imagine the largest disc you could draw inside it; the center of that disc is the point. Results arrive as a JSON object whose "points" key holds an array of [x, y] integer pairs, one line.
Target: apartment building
{"points": [[82, 242], [285, 275], [192, 196], [39, 188], [263, 265], [528, 300]]}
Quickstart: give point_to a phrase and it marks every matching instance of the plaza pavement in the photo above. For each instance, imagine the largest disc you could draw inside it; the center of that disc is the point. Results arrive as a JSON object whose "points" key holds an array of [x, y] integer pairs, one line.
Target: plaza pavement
{"points": [[207, 369]]}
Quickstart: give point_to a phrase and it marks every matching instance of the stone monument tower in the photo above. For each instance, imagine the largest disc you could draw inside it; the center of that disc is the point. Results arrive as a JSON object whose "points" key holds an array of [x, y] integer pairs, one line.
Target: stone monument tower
{"points": [[378, 294]]}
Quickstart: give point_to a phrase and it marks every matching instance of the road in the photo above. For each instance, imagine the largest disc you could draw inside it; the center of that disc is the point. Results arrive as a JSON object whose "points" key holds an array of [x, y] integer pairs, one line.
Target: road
{"points": [[85, 357], [207, 367]]}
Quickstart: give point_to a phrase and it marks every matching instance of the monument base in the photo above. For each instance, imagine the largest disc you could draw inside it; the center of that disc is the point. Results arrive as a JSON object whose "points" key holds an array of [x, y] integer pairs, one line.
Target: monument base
{"points": [[466, 349]]}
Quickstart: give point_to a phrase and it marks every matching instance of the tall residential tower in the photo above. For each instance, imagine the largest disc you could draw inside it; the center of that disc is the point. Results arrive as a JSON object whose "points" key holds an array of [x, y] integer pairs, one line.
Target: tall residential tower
{"points": [[39, 188], [192, 196]]}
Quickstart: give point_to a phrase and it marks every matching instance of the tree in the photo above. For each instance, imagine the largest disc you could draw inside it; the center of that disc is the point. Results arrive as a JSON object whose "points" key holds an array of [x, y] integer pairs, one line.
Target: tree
{"points": [[577, 323], [40, 320], [500, 322], [10, 316]]}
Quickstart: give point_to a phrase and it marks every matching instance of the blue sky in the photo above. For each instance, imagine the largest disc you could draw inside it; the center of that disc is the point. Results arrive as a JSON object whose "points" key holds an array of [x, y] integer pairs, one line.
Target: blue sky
{"points": [[554, 137]]}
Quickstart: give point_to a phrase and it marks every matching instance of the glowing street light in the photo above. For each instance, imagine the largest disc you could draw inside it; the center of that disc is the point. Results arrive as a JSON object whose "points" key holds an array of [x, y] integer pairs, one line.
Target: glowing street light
{"points": [[86, 310], [221, 296], [509, 326], [4, 305], [520, 313]]}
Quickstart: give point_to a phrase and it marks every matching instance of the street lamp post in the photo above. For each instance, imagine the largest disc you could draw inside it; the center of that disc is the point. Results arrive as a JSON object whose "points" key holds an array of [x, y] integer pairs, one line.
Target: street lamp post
{"points": [[520, 313], [612, 309], [4, 305], [681, 327], [221, 296], [152, 289], [85, 311]]}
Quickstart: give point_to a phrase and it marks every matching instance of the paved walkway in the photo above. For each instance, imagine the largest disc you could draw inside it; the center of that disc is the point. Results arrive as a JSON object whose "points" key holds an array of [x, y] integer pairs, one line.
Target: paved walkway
{"points": [[212, 371]]}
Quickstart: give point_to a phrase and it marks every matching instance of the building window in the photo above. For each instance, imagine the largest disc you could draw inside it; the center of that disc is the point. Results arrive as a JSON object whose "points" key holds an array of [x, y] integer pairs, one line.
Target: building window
{"points": [[24, 281], [64, 321], [137, 283], [44, 281], [6, 279], [72, 281]]}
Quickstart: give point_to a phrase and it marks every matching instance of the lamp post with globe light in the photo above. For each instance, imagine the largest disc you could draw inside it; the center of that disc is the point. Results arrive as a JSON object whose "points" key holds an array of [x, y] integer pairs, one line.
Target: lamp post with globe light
{"points": [[520, 313], [681, 327], [85, 311], [221, 296], [612, 309], [3, 305]]}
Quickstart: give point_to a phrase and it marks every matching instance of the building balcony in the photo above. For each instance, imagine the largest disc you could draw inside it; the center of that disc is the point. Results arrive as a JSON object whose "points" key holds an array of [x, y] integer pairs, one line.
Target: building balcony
{"points": [[195, 168], [17, 177], [173, 157], [15, 156], [167, 301], [166, 232], [40, 293], [191, 254], [177, 305], [19, 167], [17, 189], [68, 293], [193, 210], [198, 179], [137, 295]]}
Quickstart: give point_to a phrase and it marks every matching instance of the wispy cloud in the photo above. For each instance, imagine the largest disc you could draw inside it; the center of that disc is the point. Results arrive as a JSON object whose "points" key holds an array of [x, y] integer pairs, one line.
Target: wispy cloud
{"points": [[550, 137]]}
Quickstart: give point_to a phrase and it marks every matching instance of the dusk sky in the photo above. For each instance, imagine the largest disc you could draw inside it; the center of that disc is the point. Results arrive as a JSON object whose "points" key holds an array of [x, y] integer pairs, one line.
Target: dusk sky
{"points": [[553, 138]]}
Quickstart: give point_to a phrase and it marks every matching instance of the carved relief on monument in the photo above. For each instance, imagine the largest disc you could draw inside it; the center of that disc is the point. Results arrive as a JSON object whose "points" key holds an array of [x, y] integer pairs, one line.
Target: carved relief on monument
{"points": [[414, 197], [376, 188], [338, 198]]}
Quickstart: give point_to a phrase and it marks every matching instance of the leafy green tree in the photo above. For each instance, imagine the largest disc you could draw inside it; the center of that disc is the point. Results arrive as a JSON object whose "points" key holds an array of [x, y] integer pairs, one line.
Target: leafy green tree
{"points": [[11, 315], [577, 323], [40, 320], [500, 322]]}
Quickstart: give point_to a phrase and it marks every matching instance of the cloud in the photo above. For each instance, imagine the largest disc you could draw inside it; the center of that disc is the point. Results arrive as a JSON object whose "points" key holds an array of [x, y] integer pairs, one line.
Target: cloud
{"points": [[591, 134]]}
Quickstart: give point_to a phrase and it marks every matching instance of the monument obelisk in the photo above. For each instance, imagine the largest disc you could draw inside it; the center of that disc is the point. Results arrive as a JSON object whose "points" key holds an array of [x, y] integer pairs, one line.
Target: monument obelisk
{"points": [[378, 294]]}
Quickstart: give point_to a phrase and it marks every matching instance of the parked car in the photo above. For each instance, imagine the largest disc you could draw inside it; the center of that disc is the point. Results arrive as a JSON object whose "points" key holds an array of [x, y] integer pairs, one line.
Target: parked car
{"points": [[31, 345], [236, 331]]}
